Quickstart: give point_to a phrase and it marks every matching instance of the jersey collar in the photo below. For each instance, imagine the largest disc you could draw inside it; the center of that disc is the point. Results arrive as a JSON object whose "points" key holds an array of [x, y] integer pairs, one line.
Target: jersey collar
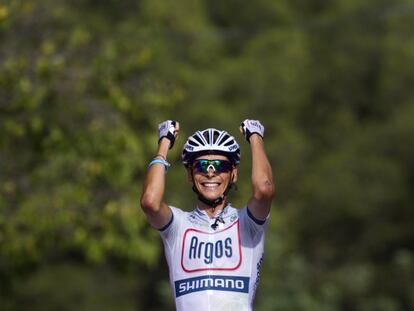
{"points": [[219, 212]]}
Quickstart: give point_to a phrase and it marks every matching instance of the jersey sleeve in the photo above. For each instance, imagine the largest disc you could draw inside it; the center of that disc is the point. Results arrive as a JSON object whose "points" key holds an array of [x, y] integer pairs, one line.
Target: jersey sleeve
{"points": [[170, 231], [255, 226]]}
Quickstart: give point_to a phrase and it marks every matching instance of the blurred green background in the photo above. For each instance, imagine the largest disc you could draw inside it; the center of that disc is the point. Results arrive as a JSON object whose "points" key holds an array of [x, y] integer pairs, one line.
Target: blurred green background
{"points": [[84, 83]]}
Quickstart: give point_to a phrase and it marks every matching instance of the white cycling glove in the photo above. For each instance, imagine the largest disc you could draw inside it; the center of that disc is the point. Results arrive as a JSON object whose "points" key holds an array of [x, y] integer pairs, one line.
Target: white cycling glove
{"points": [[250, 127], [168, 129]]}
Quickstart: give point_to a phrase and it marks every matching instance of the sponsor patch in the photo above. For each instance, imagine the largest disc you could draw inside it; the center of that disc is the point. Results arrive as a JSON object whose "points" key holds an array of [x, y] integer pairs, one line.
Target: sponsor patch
{"points": [[212, 282], [219, 250]]}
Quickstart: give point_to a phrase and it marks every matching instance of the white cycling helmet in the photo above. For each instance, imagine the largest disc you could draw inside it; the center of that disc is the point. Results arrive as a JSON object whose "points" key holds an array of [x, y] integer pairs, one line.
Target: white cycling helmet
{"points": [[210, 141]]}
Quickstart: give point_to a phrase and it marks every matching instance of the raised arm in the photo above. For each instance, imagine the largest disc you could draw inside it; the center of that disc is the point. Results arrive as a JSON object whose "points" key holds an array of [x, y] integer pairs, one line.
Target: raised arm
{"points": [[158, 213], [262, 177]]}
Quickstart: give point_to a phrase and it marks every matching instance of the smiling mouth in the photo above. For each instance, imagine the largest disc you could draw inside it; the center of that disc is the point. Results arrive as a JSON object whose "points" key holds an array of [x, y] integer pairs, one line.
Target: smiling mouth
{"points": [[210, 184]]}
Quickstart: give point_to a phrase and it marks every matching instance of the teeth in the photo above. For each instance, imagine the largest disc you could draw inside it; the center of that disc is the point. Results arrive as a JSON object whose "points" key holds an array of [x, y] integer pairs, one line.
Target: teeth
{"points": [[210, 184]]}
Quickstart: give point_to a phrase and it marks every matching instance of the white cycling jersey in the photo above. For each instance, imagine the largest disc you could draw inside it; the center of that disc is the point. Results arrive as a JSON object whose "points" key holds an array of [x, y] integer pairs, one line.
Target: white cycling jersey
{"points": [[214, 269]]}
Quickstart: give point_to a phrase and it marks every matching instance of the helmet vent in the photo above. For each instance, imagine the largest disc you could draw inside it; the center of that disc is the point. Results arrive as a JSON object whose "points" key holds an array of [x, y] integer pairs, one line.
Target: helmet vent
{"points": [[206, 136], [198, 139], [216, 135], [192, 143]]}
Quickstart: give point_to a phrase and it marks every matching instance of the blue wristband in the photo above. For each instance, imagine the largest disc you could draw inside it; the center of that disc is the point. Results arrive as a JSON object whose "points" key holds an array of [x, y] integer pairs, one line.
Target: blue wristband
{"points": [[160, 161]]}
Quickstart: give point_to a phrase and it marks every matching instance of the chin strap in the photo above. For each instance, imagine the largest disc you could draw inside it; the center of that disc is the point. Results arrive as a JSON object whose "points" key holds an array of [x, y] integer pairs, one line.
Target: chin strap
{"points": [[215, 202]]}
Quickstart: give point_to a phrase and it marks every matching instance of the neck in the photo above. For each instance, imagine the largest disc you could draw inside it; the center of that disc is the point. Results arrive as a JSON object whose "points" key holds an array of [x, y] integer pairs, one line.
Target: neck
{"points": [[211, 211]]}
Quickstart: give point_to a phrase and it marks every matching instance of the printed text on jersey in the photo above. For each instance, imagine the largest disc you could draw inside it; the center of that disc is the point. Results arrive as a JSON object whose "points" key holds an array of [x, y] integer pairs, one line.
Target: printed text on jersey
{"points": [[212, 282], [219, 250]]}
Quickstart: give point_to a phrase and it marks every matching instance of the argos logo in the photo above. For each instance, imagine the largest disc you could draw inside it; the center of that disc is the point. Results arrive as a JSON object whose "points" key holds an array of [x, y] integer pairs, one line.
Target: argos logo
{"points": [[219, 250], [210, 250]]}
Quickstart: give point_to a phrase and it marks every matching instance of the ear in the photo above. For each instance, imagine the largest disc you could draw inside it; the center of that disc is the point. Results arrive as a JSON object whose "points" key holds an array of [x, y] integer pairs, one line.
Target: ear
{"points": [[235, 173]]}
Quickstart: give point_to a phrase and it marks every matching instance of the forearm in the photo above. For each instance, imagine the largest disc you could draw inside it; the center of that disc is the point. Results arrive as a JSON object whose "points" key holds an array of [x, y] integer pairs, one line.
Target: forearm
{"points": [[154, 184], [262, 176]]}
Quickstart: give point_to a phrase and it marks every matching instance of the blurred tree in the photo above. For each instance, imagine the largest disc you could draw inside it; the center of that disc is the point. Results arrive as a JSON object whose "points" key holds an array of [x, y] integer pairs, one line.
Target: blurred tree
{"points": [[84, 83]]}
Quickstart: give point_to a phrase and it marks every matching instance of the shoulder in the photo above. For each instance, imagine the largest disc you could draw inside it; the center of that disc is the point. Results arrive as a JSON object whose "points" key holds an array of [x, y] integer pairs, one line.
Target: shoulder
{"points": [[248, 220], [176, 218], [176, 210]]}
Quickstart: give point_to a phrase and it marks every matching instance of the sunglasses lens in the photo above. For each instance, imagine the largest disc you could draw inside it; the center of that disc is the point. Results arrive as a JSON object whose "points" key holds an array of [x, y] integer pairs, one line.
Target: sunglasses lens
{"points": [[201, 166], [220, 166]]}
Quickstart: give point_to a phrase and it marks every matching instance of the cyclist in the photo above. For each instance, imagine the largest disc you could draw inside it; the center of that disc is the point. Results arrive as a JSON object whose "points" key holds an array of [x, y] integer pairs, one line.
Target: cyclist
{"points": [[214, 252]]}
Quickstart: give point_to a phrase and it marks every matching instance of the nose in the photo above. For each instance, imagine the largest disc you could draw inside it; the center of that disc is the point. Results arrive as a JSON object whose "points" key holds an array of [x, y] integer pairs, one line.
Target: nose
{"points": [[211, 167], [211, 170]]}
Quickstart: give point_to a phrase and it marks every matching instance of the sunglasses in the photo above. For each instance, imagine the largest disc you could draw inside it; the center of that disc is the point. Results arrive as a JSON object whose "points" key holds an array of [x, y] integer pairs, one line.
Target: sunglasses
{"points": [[218, 166]]}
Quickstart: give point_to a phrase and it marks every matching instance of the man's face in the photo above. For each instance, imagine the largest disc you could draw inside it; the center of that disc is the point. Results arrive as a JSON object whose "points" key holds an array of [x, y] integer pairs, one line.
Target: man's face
{"points": [[212, 177]]}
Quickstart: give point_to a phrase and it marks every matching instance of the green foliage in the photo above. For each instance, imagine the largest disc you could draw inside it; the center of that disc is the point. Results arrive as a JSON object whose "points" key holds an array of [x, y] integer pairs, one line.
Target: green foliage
{"points": [[84, 83]]}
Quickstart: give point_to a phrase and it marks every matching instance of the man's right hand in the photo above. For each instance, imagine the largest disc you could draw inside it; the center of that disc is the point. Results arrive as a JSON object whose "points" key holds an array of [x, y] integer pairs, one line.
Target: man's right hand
{"points": [[168, 129]]}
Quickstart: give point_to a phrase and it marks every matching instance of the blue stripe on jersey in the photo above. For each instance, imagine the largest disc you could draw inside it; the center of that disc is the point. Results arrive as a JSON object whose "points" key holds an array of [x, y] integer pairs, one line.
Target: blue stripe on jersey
{"points": [[257, 221], [168, 224], [213, 282]]}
